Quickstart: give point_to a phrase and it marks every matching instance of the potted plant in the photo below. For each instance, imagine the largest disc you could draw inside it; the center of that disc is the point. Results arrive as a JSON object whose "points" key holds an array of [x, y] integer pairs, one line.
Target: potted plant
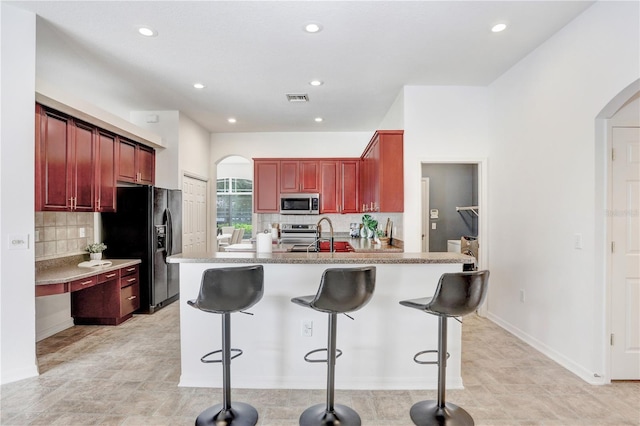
{"points": [[369, 226], [95, 250]]}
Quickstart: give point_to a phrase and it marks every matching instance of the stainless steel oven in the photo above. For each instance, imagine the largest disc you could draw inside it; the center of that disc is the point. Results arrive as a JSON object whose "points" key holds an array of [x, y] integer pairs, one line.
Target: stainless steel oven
{"points": [[299, 203], [293, 233]]}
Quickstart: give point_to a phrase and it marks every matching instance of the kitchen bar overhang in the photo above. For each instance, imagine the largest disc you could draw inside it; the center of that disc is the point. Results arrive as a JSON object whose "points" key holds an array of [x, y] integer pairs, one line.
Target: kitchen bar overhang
{"points": [[378, 346]]}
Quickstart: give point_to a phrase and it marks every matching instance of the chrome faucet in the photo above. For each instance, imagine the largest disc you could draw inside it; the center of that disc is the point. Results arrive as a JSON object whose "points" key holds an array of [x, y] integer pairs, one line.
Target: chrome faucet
{"points": [[331, 248]]}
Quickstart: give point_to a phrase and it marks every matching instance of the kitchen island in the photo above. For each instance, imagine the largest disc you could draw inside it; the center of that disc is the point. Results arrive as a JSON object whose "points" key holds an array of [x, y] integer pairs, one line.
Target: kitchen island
{"points": [[378, 345]]}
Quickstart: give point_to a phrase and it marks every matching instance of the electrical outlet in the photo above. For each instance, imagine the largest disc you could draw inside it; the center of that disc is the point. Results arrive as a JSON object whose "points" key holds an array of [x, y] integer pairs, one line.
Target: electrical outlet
{"points": [[307, 328], [81, 233], [522, 296]]}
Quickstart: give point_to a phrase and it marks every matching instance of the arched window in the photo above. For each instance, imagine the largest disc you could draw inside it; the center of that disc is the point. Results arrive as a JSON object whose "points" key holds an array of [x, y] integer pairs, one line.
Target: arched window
{"points": [[234, 203]]}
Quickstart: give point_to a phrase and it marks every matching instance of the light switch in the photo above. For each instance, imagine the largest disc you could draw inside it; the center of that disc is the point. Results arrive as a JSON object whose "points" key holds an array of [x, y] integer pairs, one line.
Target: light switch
{"points": [[433, 225], [18, 241]]}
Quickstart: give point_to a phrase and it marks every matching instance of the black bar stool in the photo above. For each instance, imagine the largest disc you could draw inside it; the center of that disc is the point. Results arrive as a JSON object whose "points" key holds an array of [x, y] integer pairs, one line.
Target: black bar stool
{"points": [[341, 290], [457, 294], [223, 291]]}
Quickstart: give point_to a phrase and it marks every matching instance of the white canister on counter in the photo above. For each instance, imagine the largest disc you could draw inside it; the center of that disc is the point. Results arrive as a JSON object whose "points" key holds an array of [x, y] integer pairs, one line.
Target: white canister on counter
{"points": [[263, 243]]}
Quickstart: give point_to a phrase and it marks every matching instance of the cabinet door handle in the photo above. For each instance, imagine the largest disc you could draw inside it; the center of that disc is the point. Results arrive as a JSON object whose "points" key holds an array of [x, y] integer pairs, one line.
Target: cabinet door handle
{"points": [[131, 298], [110, 275], [131, 269], [130, 280], [86, 282], [98, 203]]}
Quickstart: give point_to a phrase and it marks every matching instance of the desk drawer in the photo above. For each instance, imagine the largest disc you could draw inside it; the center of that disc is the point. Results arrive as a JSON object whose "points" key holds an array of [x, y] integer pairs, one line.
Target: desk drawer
{"points": [[83, 283], [129, 270], [129, 280], [129, 299], [108, 276]]}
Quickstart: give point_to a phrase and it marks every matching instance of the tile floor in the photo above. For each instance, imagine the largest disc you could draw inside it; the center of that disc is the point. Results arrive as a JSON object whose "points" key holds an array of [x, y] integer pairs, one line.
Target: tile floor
{"points": [[127, 375]]}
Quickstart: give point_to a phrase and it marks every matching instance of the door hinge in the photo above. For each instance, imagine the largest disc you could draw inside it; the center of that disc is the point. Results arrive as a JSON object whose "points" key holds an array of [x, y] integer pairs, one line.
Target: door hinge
{"points": [[613, 154], [613, 246], [611, 339]]}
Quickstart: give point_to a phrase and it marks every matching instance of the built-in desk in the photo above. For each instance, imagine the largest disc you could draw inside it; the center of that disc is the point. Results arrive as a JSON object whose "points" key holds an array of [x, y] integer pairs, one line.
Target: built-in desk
{"points": [[378, 345], [106, 295]]}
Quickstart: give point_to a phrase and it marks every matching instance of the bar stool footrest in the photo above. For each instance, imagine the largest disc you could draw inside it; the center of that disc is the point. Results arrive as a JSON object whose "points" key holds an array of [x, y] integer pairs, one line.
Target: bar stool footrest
{"points": [[341, 415], [431, 351], [207, 361], [428, 413], [306, 356]]}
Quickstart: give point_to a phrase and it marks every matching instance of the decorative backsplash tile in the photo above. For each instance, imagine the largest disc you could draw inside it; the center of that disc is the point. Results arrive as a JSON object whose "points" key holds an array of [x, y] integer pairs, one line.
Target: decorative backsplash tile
{"points": [[60, 233], [341, 222]]}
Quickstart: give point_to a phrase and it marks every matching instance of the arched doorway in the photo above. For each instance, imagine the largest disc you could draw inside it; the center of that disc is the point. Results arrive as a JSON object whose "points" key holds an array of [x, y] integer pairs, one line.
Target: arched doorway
{"points": [[617, 126], [234, 193]]}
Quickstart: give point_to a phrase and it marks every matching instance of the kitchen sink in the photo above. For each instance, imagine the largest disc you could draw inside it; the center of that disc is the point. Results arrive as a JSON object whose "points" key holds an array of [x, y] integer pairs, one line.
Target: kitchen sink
{"points": [[339, 247]]}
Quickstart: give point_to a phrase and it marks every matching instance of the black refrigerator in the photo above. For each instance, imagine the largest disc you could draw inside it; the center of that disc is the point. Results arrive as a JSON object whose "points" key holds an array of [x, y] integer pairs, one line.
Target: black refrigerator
{"points": [[147, 225]]}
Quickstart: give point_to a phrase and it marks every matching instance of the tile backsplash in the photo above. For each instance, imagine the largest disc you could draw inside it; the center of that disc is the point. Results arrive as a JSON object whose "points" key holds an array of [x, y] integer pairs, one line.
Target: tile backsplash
{"points": [[340, 222], [60, 234]]}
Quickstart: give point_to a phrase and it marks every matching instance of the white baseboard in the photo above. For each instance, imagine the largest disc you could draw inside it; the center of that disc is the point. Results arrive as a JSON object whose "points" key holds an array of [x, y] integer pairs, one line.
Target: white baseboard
{"points": [[578, 370], [53, 329], [20, 374]]}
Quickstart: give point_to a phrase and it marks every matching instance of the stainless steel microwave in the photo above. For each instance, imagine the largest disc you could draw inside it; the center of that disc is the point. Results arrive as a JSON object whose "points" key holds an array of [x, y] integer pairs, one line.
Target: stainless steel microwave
{"points": [[299, 203]]}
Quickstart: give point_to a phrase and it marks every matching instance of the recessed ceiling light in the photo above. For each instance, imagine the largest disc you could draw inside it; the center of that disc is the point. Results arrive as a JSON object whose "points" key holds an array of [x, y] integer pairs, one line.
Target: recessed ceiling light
{"points": [[318, 119], [231, 120], [316, 83], [498, 27], [313, 28], [199, 85], [147, 32]]}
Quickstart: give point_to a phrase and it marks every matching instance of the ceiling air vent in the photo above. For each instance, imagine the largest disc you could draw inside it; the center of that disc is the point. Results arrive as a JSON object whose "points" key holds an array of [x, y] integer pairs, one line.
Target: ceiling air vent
{"points": [[297, 97]]}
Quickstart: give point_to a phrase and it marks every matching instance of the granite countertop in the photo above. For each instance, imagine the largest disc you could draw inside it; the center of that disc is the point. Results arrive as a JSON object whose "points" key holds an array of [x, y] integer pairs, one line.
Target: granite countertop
{"points": [[66, 269], [360, 245], [378, 257]]}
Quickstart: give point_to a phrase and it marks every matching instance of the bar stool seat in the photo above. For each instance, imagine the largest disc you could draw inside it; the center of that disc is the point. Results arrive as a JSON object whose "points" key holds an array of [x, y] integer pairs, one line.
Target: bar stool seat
{"points": [[223, 291], [341, 290], [457, 294]]}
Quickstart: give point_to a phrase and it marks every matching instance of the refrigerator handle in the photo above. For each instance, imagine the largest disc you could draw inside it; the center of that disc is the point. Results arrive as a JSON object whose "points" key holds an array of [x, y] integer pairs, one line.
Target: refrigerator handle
{"points": [[169, 232]]}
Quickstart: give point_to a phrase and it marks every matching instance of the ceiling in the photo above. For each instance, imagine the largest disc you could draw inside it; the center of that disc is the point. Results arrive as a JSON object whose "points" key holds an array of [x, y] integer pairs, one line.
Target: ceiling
{"points": [[251, 54]]}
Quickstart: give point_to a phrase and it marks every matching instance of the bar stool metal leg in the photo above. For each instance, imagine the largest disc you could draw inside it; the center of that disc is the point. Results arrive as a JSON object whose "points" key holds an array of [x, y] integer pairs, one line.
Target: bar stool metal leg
{"points": [[440, 412], [241, 414], [330, 414]]}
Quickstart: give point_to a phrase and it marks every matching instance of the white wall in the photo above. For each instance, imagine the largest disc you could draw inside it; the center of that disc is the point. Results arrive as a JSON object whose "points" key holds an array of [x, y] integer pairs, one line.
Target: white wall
{"points": [[235, 166], [441, 123], [166, 125], [394, 118], [187, 146], [17, 270], [195, 146], [289, 144], [544, 186]]}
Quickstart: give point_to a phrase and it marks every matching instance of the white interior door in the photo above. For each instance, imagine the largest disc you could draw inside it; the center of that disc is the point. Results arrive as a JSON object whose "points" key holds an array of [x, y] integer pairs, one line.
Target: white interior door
{"points": [[625, 254], [194, 215]]}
